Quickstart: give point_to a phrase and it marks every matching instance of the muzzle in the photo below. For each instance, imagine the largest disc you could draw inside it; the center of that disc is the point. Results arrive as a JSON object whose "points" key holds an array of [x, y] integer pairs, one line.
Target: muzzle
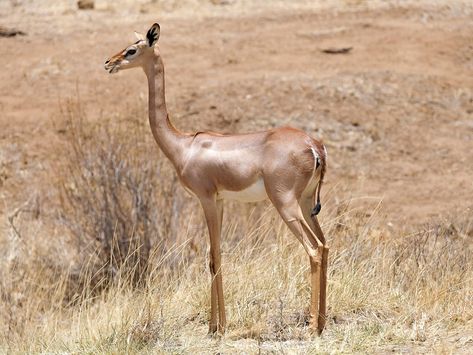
{"points": [[111, 66]]}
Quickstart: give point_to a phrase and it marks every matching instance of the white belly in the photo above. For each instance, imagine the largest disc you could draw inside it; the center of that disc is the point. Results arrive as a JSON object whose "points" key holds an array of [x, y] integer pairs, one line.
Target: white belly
{"points": [[253, 193]]}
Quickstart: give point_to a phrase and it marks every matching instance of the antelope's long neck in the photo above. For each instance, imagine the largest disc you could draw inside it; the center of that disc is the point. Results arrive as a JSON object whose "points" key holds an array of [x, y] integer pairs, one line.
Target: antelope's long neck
{"points": [[169, 139]]}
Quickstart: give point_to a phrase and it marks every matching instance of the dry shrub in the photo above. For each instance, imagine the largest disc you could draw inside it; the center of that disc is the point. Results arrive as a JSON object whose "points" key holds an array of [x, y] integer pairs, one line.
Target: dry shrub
{"points": [[114, 200]]}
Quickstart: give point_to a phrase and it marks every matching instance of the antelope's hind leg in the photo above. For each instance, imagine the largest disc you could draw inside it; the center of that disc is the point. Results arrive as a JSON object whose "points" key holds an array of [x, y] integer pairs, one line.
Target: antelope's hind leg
{"points": [[323, 292], [294, 218], [306, 206]]}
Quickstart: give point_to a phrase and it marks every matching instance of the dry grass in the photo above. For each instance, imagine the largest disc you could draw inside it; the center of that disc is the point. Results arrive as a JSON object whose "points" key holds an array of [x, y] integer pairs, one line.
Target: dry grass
{"points": [[388, 290]]}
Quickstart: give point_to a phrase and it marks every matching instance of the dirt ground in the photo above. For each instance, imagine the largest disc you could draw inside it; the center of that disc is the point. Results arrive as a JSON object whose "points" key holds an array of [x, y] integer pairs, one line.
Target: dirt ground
{"points": [[396, 112]]}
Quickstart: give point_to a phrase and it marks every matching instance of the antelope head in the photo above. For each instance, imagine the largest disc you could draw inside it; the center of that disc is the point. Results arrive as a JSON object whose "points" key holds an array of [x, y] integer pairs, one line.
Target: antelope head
{"points": [[136, 54]]}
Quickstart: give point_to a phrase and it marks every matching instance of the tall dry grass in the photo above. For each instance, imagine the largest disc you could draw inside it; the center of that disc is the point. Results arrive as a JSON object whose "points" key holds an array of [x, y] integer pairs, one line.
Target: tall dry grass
{"points": [[129, 274]]}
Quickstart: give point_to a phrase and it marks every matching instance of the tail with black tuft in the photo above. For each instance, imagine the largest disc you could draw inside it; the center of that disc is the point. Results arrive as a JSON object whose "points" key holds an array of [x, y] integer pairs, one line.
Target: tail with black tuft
{"points": [[316, 209]]}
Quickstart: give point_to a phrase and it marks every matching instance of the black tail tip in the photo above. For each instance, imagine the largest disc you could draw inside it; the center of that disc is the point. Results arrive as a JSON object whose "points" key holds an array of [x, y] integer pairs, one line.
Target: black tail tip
{"points": [[316, 209]]}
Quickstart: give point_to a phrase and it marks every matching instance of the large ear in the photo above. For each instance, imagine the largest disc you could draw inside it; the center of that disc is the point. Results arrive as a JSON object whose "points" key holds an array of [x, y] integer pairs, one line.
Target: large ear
{"points": [[153, 34], [140, 36]]}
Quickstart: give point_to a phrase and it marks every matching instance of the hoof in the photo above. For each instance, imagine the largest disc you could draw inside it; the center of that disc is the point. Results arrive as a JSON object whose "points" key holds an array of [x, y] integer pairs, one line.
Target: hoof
{"points": [[215, 332], [212, 331], [315, 327], [315, 332]]}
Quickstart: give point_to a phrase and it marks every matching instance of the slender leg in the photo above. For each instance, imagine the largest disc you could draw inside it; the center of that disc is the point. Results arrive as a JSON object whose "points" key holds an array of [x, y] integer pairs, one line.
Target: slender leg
{"points": [[323, 278], [220, 213], [293, 216], [315, 226], [221, 303], [316, 266], [323, 292], [213, 323], [213, 213]]}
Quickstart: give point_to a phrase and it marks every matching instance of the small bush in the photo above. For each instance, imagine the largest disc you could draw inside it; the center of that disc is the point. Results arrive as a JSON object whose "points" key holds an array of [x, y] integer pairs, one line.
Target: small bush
{"points": [[113, 199]]}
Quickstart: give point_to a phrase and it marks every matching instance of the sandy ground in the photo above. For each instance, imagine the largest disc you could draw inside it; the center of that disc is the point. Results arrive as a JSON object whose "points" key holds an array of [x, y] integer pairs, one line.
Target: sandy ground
{"points": [[396, 113]]}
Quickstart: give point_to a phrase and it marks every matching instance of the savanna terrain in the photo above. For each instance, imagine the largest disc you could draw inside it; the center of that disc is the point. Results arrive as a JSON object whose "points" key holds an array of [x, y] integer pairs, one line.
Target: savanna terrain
{"points": [[102, 251]]}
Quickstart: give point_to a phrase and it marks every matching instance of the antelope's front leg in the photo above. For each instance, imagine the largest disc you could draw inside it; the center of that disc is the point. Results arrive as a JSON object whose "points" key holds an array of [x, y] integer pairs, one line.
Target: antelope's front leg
{"points": [[213, 214]]}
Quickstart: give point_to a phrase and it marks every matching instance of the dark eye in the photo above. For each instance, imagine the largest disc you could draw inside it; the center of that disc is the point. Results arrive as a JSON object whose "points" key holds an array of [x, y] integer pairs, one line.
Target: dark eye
{"points": [[131, 52]]}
